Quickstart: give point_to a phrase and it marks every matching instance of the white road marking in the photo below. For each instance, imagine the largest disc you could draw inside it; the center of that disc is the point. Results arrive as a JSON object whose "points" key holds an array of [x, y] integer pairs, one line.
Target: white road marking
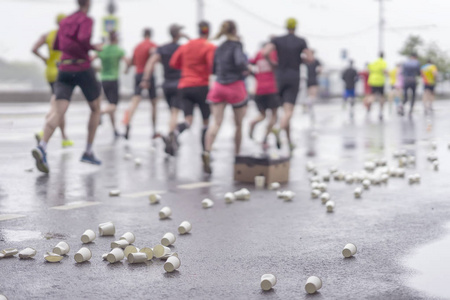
{"points": [[191, 186], [10, 217], [74, 205], [142, 194]]}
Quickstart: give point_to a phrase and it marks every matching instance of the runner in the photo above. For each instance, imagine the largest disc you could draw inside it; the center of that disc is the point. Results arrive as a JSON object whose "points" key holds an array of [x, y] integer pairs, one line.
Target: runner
{"points": [[377, 73], [364, 75], [392, 82], [230, 63], [314, 68], [266, 93], [73, 40], [429, 75], [51, 73], [398, 85], [171, 78], [411, 70], [290, 49], [350, 77], [141, 54], [195, 60], [111, 55]]}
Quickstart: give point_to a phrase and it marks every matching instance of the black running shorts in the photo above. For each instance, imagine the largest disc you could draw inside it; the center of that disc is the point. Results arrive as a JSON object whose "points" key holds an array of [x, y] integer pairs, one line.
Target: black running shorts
{"points": [[267, 101], [172, 97], [429, 88], [138, 89], [191, 96], [377, 90], [288, 91], [86, 80], [111, 90]]}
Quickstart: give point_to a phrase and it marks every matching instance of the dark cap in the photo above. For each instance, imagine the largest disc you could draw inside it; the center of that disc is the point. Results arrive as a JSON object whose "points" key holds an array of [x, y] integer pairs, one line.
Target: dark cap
{"points": [[203, 27], [175, 29]]}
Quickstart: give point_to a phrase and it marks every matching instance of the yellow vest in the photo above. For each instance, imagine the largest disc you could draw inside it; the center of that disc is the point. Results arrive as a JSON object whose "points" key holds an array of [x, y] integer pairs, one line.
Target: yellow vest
{"points": [[54, 57]]}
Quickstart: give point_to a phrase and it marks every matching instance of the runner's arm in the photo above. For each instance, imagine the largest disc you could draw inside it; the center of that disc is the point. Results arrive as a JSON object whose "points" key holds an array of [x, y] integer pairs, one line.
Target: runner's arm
{"points": [[149, 68], [308, 54], [266, 52], [38, 45]]}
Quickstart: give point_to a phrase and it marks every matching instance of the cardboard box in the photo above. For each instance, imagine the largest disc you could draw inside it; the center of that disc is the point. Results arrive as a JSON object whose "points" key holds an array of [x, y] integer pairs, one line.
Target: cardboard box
{"points": [[275, 170]]}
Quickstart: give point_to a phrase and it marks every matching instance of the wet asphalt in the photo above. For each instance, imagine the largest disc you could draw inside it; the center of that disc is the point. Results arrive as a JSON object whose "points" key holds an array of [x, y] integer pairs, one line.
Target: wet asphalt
{"points": [[230, 245]]}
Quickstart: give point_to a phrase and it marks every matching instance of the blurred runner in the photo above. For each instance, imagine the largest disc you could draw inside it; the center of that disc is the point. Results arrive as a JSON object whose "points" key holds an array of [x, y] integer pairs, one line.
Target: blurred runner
{"points": [[141, 55], [350, 77], [170, 86], [267, 97], [377, 79], [398, 85], [195, 60], [290, 49], [392, 83], [429, 75], [230, 64], [314, 68], [364, 75], [51, 73], [410, 70], [110, 56], [73, 40]]}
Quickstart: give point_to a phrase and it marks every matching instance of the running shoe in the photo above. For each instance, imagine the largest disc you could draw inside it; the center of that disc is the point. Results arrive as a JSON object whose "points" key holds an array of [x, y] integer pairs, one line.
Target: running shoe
{"points": [[167, 148], [127, 132], [41, 159], [116, 134], [276, 132], [39, 135], [173, 143], [90, 159], [206, 162], [66, 143]]}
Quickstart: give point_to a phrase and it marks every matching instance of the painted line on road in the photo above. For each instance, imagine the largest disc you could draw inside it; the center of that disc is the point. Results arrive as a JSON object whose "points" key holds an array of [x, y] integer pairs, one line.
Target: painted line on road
{"points": [[74, 205], [10, 217], [197, 185], [142, 194]]}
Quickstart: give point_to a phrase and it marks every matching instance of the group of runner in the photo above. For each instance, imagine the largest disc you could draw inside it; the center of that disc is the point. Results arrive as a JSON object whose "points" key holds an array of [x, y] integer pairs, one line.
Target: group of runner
{"points": [[187, 69]]}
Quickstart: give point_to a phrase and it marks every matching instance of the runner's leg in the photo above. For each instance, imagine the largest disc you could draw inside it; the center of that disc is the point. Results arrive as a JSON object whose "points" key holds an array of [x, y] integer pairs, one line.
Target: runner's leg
{"points": [[239, 114], [217, 110]]}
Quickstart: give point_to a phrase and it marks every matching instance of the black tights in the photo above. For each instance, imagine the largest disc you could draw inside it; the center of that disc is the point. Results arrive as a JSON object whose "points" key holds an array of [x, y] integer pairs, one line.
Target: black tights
{"points": [[406, 87]]}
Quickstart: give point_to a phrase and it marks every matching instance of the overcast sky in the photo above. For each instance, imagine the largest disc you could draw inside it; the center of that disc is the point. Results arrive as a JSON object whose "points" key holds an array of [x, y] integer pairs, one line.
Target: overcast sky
{"points": [[328, 25]]}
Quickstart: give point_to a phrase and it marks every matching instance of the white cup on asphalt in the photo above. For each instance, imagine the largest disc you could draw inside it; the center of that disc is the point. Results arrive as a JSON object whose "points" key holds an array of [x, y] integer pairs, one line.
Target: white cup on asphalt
{"points": [[160, 251], [88, 236], [313, 284], [84, 254], [207, 203], [148, 252], [172, 263], [106, 229], [366, 184], [325, 197], [242, 194], [315, 193], [184, 227], [62, 248], [349, 250], [268, 281], [260, 181], [114, 193], [129, 237], [136, 258], [27, 253], [168, 239], [358, 192], [330, 206], [115, 255], [120, 244], [165, 212], [322, 186], [130, 249], [230, 197], [154, 198], [104, 256], [137, 161], [53, 257], [9, 252], [274, 186]]}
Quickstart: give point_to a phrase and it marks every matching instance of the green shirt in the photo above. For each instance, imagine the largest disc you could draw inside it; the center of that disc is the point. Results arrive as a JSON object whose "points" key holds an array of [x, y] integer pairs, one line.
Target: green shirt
{"points": [[110, 57], [376, 73]]}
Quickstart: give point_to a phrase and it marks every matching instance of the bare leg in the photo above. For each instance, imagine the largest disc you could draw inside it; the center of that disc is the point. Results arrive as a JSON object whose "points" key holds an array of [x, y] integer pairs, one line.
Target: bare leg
{"points": [[55, 118], [239, 114], [259, 118], [273, 120], [154, 114], [173, 119], [133, 106], [94, 120], [218, 111], [288, 109], [111, 111]]}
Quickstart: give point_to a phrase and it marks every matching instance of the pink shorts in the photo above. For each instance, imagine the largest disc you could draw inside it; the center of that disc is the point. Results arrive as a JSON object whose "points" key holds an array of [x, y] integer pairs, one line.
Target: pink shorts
{"points": [[233, 93]]}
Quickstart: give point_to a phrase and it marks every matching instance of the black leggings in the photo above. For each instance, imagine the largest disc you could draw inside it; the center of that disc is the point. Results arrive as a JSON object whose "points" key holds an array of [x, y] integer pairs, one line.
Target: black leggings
{"points": [[406, 87]]}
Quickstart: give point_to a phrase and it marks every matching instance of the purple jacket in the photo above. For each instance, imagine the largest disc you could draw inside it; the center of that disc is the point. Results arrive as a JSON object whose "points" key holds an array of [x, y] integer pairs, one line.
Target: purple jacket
{"points": [[74, 41]]}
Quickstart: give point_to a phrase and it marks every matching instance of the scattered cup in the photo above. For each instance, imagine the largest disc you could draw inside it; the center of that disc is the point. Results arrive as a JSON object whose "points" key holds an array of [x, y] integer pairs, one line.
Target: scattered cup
{"points": [[62, 248], [116, 255], [358, 192], [313, 284], [242, 194], [260, 181], [53, 257], [119, 244], [349, 250], [27, 253], [230, 197], [129, 237], [207, 203], [138, 257], [129, 249], [9, 252], [148, 252], [165, 212], [274, 186], [88, 236], [168, 239], [268, 281], [330, 206], [114, 193], [160, 251], [106, 229], [154, 198], [184, 227], [84, 254], [325, 197], [172, 264]]}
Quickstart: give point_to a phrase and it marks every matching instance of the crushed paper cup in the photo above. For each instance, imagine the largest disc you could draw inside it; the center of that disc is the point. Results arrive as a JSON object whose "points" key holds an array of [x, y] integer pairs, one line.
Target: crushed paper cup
{"points": [[115, 255], [172, 264], [129, 237], [84, 254], [184, 227], [207, 203], [9, 252], [229, 197], [136, 258], [119, 244], [242, 194], [268, 281], [148, 252], [154, 198], [274, 186], [104, 256], [114, 193], [53, 257], [313, 284], [106, 229], [349, 250], [88, 236], [325, 197], [27, 253], [62, 248], [165, 212]]}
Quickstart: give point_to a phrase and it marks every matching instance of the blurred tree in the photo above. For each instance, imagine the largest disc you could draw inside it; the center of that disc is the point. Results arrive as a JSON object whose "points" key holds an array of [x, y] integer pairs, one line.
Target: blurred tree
{"points": [[413, 44]]}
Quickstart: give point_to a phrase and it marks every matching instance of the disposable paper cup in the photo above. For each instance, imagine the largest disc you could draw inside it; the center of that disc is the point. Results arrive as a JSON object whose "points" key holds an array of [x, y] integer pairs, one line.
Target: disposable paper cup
{"points": [[148, 252], [326, 177], [104, 256], [366, 184], [130, 249], [106, 229], [274, 186], [242, 194], [358, 192], [288, 195], [135, 258], [349, 179], [84, 254], [27, 253], [229, 197], [313, 284], [88, 236], [114, 193], [137, 161], [314, 185], [260, 181], [184, 227], [168, 239], [62, 248], [2, 297], [315, 193], [9, 252], [325, 197], [268, 281], [115, 255], [333, 170], [322, 187], [330, 206], [160, 251], [53, 257], [129, 237], [172, 263], [349, 250], [119, 244], [154, 198], [207, 203], [165, 212]]}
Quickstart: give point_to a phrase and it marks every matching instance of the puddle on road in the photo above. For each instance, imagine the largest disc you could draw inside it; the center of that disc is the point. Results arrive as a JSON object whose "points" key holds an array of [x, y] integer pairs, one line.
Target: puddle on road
{"points": [[431, 267], [19, 235]]}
